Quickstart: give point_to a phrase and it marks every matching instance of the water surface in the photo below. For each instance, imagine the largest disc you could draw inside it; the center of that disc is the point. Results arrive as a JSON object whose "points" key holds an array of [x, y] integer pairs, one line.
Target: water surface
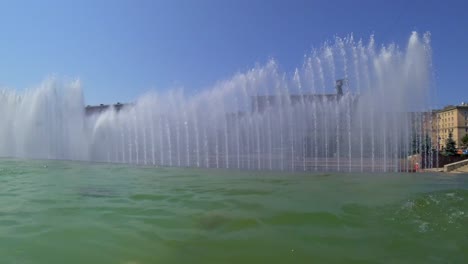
{"points": [[71, 212]]}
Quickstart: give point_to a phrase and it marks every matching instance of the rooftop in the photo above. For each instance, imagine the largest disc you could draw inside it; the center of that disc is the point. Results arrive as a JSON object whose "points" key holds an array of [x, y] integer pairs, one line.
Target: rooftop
{"points": [[93, 109], [463, 105]]}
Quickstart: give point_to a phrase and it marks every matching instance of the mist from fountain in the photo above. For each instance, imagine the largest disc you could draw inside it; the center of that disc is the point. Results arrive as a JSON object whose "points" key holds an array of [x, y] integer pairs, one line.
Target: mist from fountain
{"points": [[262, 119]]}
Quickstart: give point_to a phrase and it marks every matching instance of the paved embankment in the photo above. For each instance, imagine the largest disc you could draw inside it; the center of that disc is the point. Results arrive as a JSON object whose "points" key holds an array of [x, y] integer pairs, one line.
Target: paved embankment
{"points": [[463, 169], [460, 166]]}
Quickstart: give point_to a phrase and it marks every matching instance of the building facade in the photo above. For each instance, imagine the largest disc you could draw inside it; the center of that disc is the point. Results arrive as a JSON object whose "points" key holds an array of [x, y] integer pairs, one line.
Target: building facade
{"points": [[97, 109], [451, 119]]}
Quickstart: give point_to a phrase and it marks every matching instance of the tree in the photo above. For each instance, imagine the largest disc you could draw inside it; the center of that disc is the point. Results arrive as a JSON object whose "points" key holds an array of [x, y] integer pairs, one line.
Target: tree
{"points": [[420, 144], [427, 145], [414, 145], [464, 141], [450, 149]]}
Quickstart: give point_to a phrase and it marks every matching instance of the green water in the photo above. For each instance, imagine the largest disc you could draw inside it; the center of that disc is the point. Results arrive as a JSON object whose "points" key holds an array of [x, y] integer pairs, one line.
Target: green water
{"points": [[67, 212]]}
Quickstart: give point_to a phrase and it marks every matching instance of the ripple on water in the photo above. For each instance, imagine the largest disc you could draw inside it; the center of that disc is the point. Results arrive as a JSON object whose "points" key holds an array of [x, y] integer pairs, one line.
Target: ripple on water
{"points": [[96, 192], [148, 197], [8, 222], [318, 219], [235, 192], [244, 206], [228, 223]]}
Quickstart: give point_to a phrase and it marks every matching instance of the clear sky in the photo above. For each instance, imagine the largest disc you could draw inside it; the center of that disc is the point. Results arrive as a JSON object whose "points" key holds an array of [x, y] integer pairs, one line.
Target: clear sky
{"points": [[121, 49]]}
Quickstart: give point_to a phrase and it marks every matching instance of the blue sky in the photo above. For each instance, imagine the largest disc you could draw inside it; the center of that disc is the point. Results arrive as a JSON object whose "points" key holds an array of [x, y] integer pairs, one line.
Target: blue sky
{"points": [[121, 49]]}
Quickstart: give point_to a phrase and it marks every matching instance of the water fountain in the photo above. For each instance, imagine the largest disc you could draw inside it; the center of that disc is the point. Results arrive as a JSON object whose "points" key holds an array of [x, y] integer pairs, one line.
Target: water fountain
{"points": [[263, 119]]}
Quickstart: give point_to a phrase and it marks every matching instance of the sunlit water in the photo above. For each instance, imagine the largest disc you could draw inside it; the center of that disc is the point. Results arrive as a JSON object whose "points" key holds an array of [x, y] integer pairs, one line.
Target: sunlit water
{"points": [[68, 212]]}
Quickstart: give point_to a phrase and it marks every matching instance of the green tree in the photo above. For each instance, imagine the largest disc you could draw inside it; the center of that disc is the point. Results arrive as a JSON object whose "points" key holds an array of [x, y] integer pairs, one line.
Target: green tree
{"points": [[420, 144], [414, 145], [427, 144], [464, 141], [450, 149]]}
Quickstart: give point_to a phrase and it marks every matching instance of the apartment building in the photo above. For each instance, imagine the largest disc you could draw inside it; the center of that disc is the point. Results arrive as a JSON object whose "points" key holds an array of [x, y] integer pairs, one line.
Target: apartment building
{"points": [[451, 119]]}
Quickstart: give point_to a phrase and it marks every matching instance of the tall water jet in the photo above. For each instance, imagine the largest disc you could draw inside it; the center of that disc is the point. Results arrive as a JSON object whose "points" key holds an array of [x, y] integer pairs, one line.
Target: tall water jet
{"points": [[349, 107]]}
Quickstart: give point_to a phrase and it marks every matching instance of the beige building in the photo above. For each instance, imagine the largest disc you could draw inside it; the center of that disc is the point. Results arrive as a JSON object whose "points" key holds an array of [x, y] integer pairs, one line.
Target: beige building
{"points": [[451, 119]]}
